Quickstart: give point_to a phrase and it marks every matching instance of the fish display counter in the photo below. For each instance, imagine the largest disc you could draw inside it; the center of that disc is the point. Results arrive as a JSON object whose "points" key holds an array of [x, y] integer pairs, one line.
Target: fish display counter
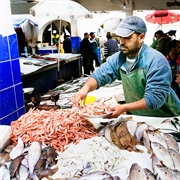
{"points": [[41, 72], [78, 143], [97, 156]]}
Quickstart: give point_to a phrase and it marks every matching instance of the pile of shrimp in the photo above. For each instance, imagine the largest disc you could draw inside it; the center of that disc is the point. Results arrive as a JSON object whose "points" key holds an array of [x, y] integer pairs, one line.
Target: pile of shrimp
{"points": [[56, 128], [96, 108]]}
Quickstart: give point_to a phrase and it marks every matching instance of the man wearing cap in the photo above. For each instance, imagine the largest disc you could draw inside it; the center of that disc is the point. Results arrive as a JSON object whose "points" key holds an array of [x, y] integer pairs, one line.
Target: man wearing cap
{"points": [[145, 74]]}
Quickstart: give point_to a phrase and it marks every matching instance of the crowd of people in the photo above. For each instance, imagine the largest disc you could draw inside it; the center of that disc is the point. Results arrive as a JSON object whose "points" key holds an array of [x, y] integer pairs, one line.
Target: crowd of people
{"points": [[147, 74]]}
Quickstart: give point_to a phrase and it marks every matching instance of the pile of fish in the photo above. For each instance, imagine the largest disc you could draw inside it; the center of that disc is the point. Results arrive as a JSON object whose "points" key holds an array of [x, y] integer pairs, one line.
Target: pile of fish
{"points": [[164, 149], [93, 158], [27, 162]]}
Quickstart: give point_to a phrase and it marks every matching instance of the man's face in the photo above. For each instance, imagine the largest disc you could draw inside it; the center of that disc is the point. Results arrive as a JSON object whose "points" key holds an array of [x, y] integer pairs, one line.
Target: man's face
{"points": [[92, 36], [131, 45]]}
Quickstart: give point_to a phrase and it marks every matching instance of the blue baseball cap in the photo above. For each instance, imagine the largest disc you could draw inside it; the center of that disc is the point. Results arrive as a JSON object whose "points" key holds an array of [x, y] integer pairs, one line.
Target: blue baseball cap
{"points": [[129, 25]]}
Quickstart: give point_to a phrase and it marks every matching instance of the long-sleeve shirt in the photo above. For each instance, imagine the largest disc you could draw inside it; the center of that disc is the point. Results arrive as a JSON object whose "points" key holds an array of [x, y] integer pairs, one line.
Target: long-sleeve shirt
{"points": [[152, 72], [110, 47]]}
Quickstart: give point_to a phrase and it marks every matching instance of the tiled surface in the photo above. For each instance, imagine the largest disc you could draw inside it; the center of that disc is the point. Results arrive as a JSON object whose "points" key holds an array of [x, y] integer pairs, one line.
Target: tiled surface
{"points": [[11, 93]]}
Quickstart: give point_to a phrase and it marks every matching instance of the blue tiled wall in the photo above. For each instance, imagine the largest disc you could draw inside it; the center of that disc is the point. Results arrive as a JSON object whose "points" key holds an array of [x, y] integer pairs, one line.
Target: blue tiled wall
{"points": [[11, 93]]}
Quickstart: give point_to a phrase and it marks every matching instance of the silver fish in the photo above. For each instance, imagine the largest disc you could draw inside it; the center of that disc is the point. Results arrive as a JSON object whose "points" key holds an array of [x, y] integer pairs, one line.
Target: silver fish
{"points": [[136, 173], [146, 141], [14, 166], [176, 158], [165, 173], [155, 137], [149, 174], [155, 161], [17, 150], [34, 154], [162, 154], [139, 131], [171, 142]]}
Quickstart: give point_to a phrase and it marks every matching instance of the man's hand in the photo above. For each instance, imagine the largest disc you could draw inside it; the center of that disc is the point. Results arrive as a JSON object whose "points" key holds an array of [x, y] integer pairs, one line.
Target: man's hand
{"points": [[80, 96], [90, 85], [116, 111]]}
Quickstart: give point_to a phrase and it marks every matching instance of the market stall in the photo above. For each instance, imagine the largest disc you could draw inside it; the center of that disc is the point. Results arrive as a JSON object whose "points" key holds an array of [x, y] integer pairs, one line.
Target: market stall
{"points": [[72, 154], [41, 72], [81, 144]]}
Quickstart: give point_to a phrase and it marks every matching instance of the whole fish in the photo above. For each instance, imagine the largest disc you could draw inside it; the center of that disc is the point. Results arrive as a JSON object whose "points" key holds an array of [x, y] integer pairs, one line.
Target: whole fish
{"points": [[162, 154], [139, 131], [17, 150], [176, 158], [136, 173], [34, 154], [155, 137], [165, 173], [14, 165], [23, 173], [107, 133], [149, 174], [131, 126], [171, 142], [146, 141], [155, 161]]}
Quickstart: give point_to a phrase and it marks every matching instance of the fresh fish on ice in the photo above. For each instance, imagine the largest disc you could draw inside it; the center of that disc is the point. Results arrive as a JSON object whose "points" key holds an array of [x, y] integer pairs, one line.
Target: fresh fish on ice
{"points": [[139, 131], [165, 173], [149, 174], [17, 150], [34, 154], [146, 141], [14, 165], [136, 172], [155, 137], [171, 142], [162, 154], [176, 158]]}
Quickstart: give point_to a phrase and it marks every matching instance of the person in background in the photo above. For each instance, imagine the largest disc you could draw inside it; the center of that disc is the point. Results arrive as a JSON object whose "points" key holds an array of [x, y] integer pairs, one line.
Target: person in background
{"points": [[174, 61], [162, 42], [61, 42], [55, 38], [172, 34], [67, 44], [94, 46], [85, 50], [145, 74], [110, 47], [21, 40]]}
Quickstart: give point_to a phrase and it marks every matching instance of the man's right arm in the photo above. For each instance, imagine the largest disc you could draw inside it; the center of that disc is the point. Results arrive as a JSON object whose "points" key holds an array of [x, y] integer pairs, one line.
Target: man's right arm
{"points": [[90, 85]]}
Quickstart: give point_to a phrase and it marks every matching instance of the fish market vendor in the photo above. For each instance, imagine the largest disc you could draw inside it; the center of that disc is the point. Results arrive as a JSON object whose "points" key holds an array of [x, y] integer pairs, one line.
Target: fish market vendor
{"points": [[144, 72]]}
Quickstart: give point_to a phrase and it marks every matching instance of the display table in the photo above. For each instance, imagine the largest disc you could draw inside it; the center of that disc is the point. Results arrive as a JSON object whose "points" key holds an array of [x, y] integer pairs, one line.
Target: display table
{"points": [[42, 73]]}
